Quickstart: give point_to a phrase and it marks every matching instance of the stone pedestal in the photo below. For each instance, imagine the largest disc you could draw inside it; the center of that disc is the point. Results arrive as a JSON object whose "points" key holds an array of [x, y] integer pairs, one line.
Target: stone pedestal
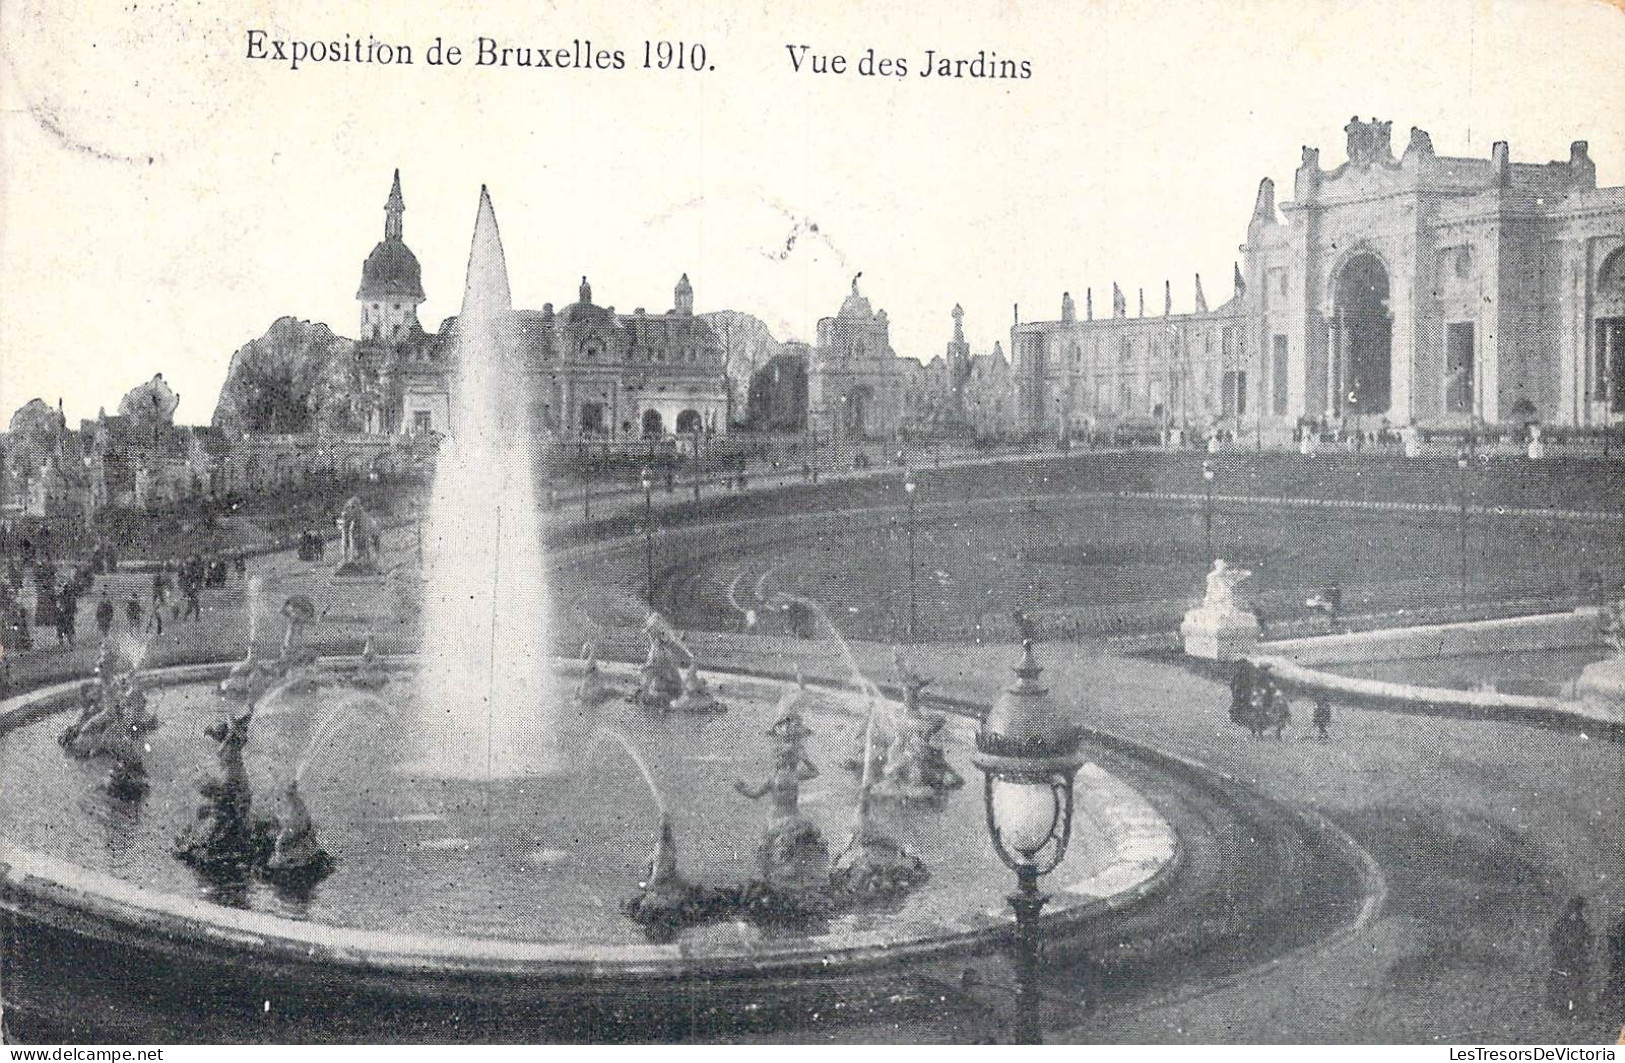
{"points": [[1219, 635], [1601, 687]]}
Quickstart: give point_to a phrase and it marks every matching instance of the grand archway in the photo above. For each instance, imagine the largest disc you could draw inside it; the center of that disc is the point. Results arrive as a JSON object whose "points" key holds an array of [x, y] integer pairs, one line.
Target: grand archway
{"points": [[1362, 339], [855, 411]]}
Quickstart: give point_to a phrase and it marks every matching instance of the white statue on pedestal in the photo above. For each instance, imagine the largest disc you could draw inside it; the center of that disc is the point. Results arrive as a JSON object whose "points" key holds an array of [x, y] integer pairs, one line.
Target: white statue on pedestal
{"points": [[1218, 629], [1221, 587], [1537, 446]]}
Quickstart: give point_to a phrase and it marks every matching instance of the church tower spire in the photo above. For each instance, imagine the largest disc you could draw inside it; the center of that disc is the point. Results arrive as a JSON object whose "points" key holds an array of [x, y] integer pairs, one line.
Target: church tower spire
{"points": [[394, 207]]}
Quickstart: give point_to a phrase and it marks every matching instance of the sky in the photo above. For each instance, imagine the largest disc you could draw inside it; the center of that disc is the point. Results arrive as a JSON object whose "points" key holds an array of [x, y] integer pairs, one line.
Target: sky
{"points": [[164, 198]]}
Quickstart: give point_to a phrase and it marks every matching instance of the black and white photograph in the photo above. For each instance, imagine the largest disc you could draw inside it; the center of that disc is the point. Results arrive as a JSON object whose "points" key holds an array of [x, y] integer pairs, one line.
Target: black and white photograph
{"points": [[978, 523]]}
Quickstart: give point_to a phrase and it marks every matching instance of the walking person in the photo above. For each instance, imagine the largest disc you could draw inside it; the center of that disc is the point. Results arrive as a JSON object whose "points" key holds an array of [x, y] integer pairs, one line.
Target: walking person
{"points": [[1241, 692], [1571, 961], [67, 615], [194, 610], [1612, 998], [1323, 715], [104, 615], [132, 613]]}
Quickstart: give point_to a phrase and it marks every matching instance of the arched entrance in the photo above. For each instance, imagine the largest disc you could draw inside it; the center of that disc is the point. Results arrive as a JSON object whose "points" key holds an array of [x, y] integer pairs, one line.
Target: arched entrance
{"points": [[653, 423], [1362, 355], [688, 422], [592, 418], [855, 411]]}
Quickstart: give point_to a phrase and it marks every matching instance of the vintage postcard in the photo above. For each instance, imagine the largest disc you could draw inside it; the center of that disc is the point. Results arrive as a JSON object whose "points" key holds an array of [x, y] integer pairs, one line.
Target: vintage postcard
{"points": [[985, 522]]}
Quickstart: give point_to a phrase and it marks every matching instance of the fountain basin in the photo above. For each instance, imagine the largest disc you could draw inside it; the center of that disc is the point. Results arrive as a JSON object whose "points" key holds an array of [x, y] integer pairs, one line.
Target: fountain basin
{"points": [[77, 874]]}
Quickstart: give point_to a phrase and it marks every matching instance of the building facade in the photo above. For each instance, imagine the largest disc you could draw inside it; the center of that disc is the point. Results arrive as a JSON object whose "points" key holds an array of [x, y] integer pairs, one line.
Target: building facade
{"points": [[857, 387], [1420, 290], [587, 369]]}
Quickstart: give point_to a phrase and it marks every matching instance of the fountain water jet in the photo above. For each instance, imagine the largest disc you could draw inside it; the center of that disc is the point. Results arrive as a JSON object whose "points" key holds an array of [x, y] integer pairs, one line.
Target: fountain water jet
{"points": [[486, 714], [637, 758]]}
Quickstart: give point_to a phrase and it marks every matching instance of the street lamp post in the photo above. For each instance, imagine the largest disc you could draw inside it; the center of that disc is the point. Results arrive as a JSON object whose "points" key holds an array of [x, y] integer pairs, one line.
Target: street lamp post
{"points": [[1028, 753], [697, 472], [909, 487], [586, 487], [1462, 462], [1207, 510], [648, 480]]}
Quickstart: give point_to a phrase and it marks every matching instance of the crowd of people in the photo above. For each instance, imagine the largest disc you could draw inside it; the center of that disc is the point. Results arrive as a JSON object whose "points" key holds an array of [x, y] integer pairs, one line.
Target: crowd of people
{"points": [[1259, 703], [59, 590]]}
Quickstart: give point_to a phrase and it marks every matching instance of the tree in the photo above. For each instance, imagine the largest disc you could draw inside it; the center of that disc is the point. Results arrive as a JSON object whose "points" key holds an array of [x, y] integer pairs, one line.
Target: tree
{"points": [[296, 378]]}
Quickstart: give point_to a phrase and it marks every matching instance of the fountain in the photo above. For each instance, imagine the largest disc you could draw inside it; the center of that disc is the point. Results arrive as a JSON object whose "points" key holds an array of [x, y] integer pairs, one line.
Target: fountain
{"points": [[462, 816], [485, 713]]}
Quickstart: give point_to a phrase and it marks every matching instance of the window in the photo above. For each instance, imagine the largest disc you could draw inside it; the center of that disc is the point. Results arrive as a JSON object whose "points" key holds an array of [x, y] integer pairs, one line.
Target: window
{"points": [[422, 422], [1235, 393], [1278, 375], [1458, 367]]}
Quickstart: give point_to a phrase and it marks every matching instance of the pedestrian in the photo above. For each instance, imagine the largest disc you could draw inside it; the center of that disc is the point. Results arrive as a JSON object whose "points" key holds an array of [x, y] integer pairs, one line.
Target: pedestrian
{"points": [[104, 615], [132, 613], [1571, 956], [1612, 999], [242, 565], [67, 625], [1323, 715], [45, 599], [1241, 691], [194, 610], [160, 586]]}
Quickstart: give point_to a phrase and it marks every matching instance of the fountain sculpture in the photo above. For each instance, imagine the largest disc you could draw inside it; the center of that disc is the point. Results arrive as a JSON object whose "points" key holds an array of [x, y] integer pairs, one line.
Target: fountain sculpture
{"points": [[659, 682], [369, 671], [113, 713], [296, 857], [873, 864], [915, 767], [222, 842], [792, 858], [696, 696], [593, 690]]}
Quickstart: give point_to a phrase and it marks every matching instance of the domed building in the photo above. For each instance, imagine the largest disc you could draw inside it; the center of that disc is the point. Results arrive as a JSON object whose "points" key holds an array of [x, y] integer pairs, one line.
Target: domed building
{"points": [[856, 385], [588, 369]]}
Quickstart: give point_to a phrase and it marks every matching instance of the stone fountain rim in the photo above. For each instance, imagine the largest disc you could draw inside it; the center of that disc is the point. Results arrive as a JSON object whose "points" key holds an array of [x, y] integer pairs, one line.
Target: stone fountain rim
{"points": [[101, 906]]}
